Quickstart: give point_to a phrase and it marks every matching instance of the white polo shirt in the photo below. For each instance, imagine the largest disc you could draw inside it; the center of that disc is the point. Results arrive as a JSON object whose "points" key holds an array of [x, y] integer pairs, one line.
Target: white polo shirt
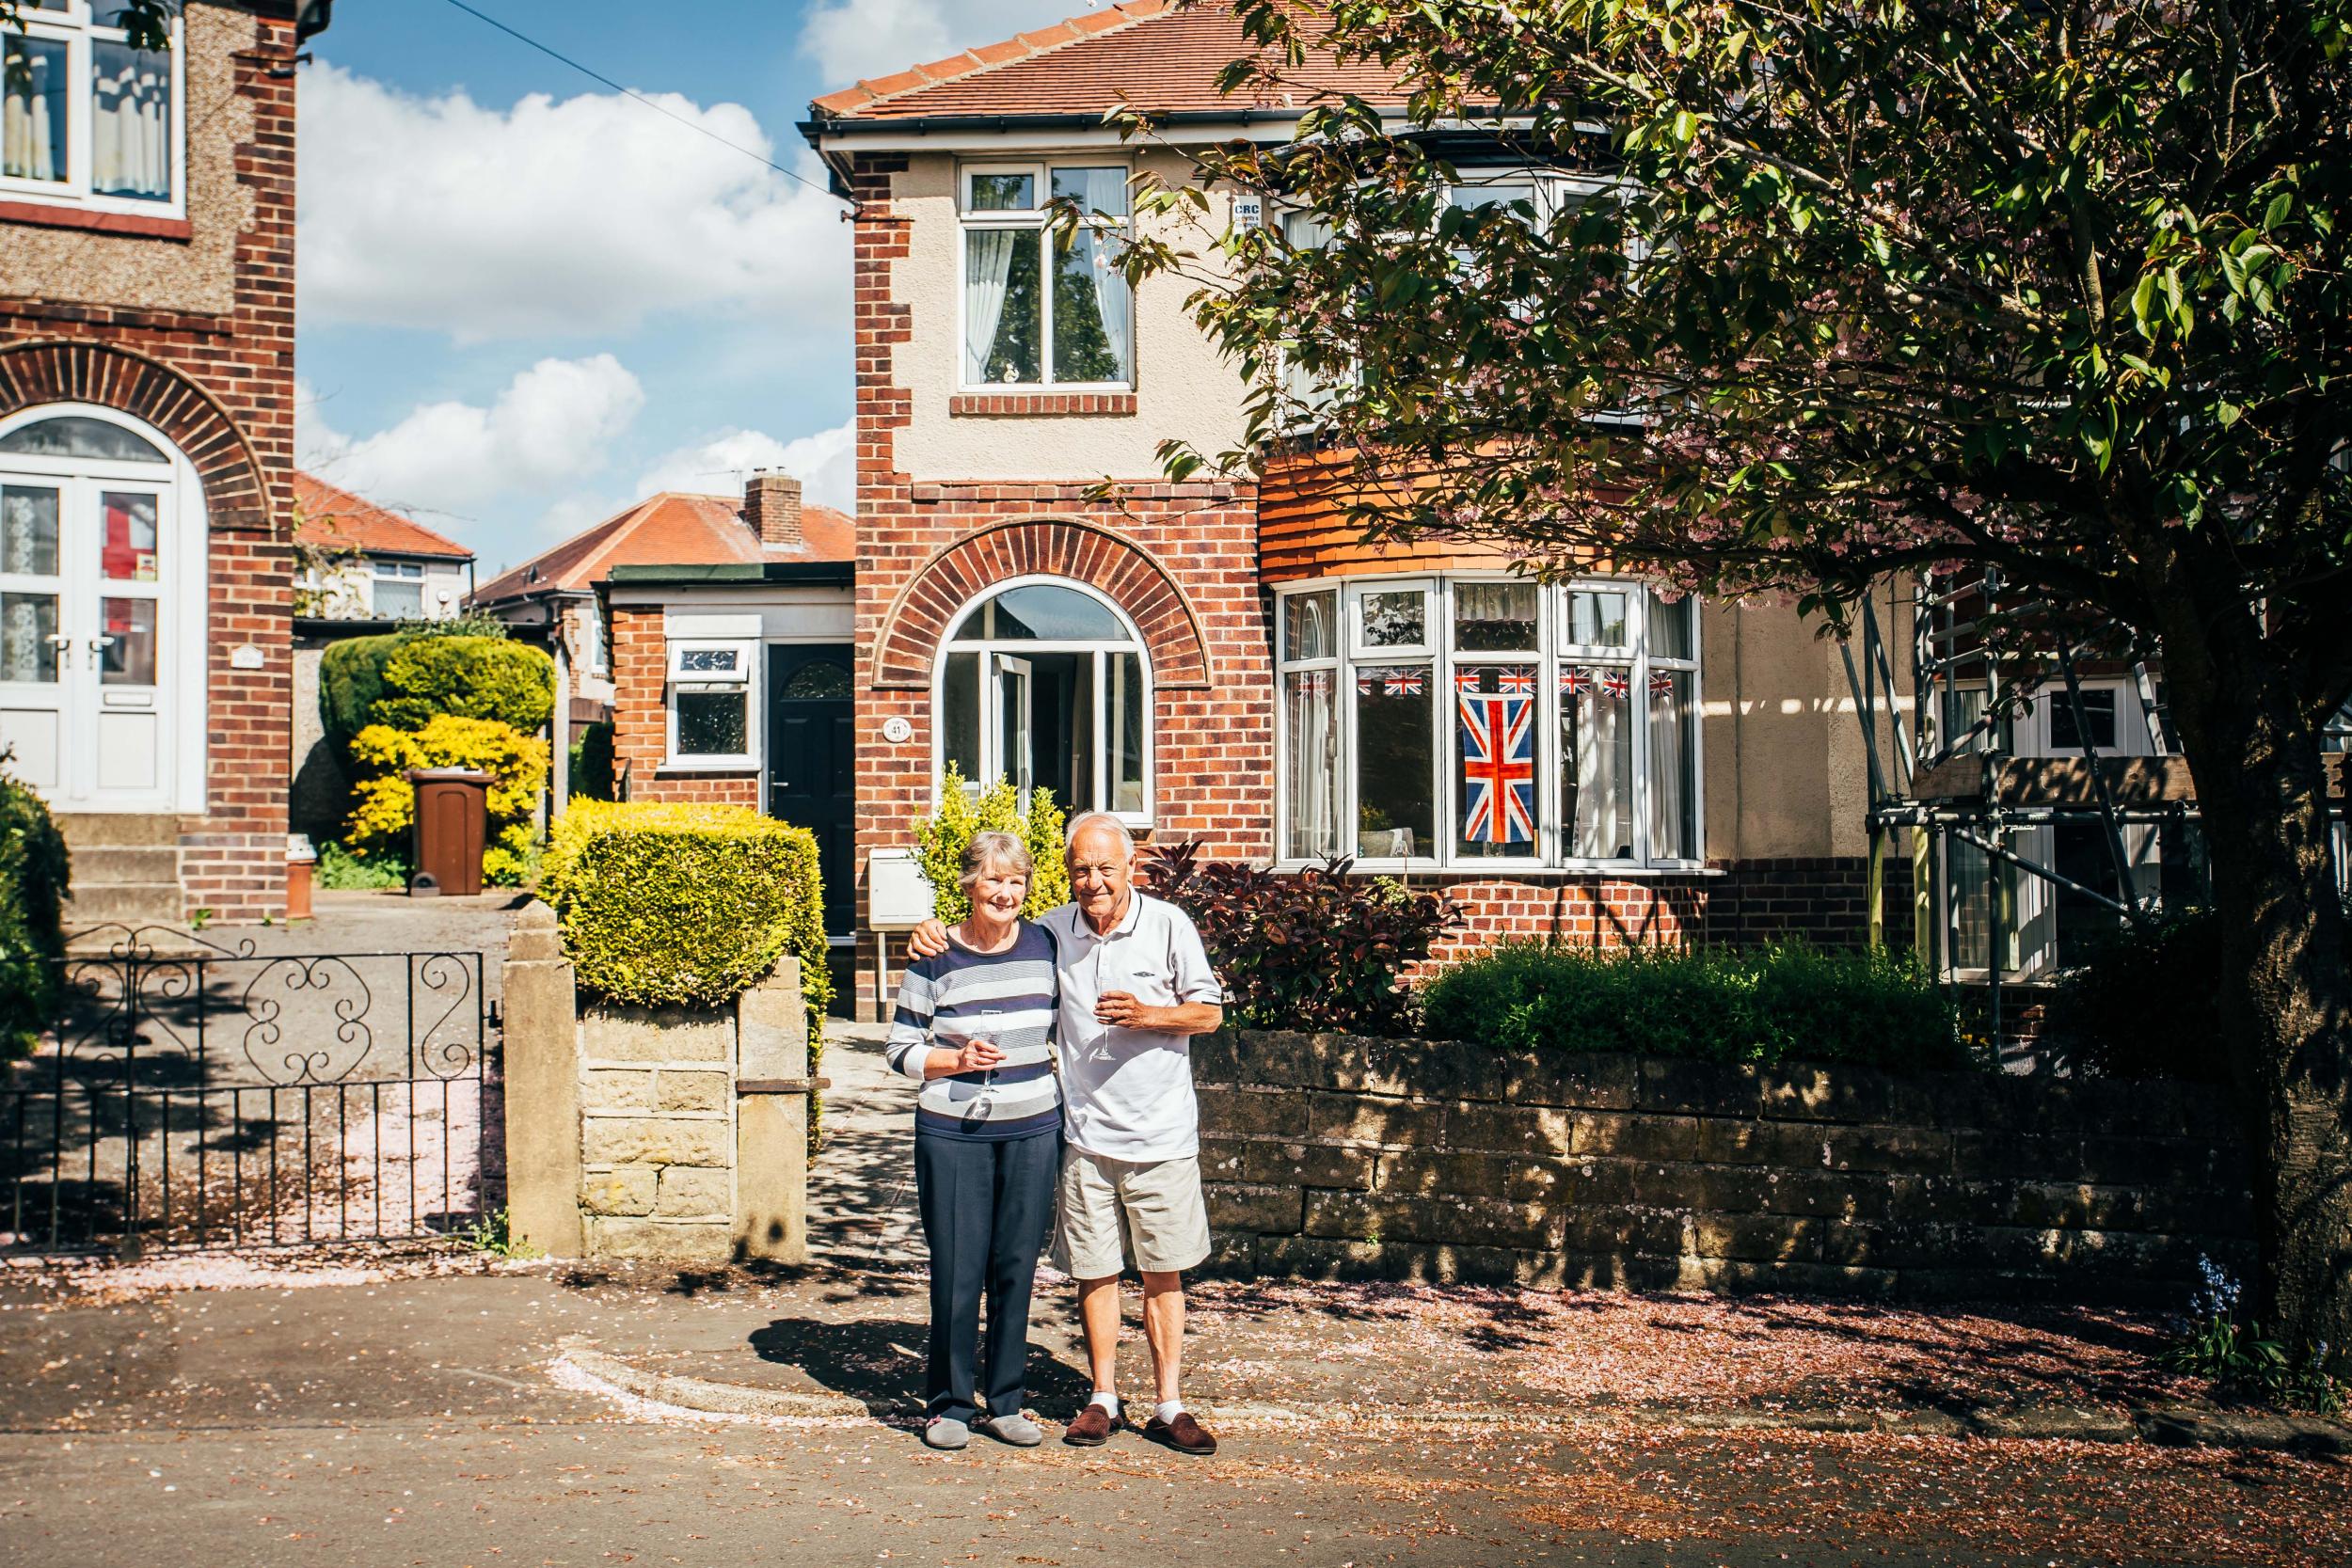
{"points": [[1127, 1093]]}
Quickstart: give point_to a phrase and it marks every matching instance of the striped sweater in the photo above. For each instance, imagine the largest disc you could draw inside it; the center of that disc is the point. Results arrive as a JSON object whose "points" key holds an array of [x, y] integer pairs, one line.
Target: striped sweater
{"points": [[1004, 997]]}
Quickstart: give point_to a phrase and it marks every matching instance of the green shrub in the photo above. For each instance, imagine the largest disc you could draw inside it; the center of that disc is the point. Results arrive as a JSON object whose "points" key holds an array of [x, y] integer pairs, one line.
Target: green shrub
{"points": [[468, 677], [33, 881], [2145, 1002], [592, 763], [1313, 949], [342, 870], [941, 839], [405, 677], [384, 802], [351, 679], [1785, 1002], [664, 903]]}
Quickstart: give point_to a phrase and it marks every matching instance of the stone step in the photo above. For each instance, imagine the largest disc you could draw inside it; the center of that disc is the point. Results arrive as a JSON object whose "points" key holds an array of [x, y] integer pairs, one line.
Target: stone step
{"points": [[122, 904], [106, 830], [109, 866]]}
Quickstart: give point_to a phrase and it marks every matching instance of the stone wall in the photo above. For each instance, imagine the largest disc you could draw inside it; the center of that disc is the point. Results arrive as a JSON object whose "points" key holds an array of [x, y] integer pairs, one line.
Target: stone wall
{"points": [[678, 1135], [1332, 1156]]}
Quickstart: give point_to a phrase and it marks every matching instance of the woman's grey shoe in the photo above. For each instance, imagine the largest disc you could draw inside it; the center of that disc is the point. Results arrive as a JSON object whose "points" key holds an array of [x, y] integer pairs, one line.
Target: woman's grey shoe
{"points": [[1016, 1429], [942, 1433]]}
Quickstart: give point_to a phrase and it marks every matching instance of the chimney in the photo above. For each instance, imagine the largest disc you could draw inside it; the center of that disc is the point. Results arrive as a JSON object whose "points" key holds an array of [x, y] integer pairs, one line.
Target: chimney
{"points": [[771, 505]]}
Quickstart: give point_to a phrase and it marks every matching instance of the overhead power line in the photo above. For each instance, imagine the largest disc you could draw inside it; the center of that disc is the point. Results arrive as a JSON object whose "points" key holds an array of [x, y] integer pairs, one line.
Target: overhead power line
{"points": [[695, 126]]}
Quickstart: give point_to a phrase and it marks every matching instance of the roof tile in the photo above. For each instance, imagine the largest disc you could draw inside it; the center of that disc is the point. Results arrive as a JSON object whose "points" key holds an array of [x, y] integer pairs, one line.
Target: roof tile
{"points": [[668, 529], [1149, 55], [333, 518]]}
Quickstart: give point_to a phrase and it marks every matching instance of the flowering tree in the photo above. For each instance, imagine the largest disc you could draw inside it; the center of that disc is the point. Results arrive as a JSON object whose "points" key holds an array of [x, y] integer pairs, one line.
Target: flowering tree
{"points": [[1847, 288]]}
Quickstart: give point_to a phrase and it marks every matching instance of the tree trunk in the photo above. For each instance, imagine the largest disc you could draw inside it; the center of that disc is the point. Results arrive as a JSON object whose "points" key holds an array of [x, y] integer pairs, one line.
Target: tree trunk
{"points": [[2262, 802]]}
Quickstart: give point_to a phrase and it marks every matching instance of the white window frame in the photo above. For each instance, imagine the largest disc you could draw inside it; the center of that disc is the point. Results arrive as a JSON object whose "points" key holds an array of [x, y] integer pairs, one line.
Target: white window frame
{"points": [[1442, 658], [75, 27], [990, 726], [744, 678], [967, 219]]}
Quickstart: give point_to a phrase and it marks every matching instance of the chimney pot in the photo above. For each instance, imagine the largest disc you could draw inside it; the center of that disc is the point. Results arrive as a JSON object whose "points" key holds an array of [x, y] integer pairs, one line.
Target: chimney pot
{"points": [[771, 505]]}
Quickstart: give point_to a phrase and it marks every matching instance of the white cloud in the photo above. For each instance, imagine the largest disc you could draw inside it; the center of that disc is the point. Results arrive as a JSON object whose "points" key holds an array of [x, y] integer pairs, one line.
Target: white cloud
{"points": [[554, 423], [825, 464], [585, 215], [853, 38]]}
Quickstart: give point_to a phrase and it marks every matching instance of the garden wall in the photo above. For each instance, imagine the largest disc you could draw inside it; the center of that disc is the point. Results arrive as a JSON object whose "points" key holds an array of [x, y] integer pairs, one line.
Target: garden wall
{"points": [[1335, 1156]]}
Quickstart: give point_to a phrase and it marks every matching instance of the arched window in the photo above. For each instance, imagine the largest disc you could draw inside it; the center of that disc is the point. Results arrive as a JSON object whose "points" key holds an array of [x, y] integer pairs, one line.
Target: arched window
{"points": [[1046, 684]]}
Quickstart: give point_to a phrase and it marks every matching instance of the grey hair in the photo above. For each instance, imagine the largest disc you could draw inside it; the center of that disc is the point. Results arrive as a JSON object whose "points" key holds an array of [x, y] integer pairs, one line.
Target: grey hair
{"points": [[991, 848], [1088, 819]]}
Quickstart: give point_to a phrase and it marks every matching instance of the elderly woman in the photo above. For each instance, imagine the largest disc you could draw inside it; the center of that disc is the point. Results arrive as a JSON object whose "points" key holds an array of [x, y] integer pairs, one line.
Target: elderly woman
{"points": [[975, 1026]]}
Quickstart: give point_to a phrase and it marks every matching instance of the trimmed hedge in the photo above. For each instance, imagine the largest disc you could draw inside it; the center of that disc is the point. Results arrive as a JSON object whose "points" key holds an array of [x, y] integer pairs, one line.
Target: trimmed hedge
{"points": [[468, 677], [405, 677], [662, 903], [1785, 1002], [32, 880]]}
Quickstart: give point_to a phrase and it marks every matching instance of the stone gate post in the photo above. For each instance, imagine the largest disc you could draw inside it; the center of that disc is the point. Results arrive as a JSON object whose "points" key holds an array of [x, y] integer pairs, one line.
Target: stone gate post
{"points": [[771, 1089], [542, 1083]]}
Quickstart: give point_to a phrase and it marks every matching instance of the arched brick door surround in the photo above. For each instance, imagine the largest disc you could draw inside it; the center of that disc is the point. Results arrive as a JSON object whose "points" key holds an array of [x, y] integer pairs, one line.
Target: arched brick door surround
{"points": [[1084, 552], [34, 373]]}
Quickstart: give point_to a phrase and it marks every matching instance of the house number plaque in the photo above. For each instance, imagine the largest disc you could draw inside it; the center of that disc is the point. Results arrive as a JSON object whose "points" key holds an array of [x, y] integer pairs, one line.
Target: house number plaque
{"points": [[896, 730]]}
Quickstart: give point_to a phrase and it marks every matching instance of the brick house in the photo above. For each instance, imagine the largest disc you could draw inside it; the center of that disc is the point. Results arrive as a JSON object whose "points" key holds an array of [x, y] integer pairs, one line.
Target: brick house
{"points": [[695, 624], [147, 340], [1587, 759]]}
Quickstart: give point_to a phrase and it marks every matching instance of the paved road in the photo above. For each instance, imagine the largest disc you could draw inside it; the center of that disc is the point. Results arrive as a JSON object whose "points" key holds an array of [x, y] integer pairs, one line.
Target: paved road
{"points": [[419, 1421]]}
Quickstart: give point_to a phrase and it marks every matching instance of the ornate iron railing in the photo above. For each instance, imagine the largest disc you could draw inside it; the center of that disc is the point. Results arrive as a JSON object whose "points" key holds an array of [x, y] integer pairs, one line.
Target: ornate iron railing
{"points": [[194, 1094]]}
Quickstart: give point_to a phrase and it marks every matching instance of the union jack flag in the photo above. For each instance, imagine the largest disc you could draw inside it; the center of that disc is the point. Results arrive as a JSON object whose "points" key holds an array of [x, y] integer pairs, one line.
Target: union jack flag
{"points": [[1498, 769], [1313, 683], [1466, 680], [1517, 679], [1403, 683], [1614, 683], [1575, 682], [1662, 685]]}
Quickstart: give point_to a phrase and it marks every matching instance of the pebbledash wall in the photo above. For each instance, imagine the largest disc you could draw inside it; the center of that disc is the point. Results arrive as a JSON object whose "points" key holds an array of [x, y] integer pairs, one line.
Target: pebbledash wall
{"points": [[1337, 1157], [189, 325], [950, 501]]}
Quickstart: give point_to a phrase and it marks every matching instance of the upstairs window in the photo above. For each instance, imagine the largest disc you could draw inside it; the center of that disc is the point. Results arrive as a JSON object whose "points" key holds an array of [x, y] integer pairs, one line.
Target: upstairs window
{"points": [[85, 119], [1035, 315]]}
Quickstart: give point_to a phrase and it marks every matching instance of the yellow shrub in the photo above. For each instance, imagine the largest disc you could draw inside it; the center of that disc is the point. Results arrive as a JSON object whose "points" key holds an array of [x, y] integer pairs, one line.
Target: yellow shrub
{"points": [[384, 804]]}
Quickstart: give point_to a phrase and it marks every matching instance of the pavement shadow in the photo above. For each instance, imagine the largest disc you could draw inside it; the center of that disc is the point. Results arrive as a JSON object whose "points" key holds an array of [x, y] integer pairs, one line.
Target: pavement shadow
{"points": [[880, 1362]]}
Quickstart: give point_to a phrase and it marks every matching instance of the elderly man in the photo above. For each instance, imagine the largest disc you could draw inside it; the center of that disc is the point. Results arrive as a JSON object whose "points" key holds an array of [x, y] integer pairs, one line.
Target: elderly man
{"points": [[1135, 987]]}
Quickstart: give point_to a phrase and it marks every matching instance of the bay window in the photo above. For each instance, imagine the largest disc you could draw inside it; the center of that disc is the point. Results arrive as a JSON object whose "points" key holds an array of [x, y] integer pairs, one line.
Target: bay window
{"points": [[85, 119], [1035, 314], [1488, 720]]}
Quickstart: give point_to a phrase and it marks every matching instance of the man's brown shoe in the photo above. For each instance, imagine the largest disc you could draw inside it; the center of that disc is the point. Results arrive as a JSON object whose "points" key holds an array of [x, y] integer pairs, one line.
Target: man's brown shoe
{"points": [[1090, 1429], [1183, 1433]]}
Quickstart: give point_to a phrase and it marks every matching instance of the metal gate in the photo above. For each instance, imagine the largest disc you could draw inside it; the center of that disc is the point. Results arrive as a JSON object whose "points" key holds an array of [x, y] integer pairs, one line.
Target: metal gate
{"points": [[194, 1095]]}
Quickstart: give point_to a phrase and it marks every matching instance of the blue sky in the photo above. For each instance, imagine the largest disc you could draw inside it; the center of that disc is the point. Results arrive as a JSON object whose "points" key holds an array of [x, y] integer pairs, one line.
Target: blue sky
{"points": [[525, 300]]}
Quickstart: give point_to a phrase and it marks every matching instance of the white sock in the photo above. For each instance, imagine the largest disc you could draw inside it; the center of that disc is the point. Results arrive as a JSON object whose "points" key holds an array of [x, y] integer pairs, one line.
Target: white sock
{"points": [[1109, 1401], [1168, 1410]]}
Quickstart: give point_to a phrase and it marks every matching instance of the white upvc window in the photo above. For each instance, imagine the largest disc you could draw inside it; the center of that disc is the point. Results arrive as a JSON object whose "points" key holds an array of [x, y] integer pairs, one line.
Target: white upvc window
{"points": [[87, 120], [1488, 720], [1045, 684], [1033, 314], [713, 719], [397, 591]]}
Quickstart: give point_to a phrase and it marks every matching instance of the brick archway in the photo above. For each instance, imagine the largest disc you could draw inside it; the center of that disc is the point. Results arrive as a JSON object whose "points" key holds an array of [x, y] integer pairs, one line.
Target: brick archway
{"points": [[235, 493], [1052, 546]]}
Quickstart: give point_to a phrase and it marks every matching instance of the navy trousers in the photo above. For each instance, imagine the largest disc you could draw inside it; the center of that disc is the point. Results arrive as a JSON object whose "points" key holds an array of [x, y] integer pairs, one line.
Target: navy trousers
{"points": [[987, 1208]]}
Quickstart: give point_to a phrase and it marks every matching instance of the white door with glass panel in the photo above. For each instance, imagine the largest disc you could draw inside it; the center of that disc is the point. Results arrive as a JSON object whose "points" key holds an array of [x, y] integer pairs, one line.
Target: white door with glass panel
{"points": [[87, 617]]}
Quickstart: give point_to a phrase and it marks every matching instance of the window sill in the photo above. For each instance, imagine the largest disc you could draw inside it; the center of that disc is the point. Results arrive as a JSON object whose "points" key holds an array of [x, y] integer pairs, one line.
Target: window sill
{"points": [[136, 225], [708, 765], [1002, 405], [1514, 870]]}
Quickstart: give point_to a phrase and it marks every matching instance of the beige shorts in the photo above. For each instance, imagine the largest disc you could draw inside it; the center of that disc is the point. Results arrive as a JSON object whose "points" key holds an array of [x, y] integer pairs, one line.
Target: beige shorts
{"points": [[1112, 1210]]}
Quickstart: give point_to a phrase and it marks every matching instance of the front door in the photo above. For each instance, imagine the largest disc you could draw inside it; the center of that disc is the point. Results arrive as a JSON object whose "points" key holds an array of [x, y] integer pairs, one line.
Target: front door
{"points": [[86, 639], [812, 764]]}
